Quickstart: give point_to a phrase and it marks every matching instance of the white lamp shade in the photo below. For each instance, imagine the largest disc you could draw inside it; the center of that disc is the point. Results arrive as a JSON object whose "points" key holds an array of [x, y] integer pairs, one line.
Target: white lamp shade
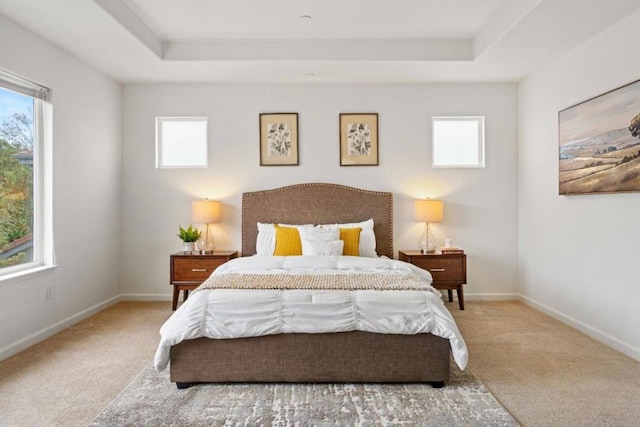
{"points": [[206, 211], [429, 210]]}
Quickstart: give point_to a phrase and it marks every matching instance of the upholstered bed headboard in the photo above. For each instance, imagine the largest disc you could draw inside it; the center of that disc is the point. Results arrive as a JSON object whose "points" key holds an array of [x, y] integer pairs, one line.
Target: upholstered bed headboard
{"points": [[318, 204]]}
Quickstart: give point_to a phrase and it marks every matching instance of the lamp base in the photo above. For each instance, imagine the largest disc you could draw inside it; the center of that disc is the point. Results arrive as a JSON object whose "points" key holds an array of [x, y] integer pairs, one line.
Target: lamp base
{"points": [[205, 252]]}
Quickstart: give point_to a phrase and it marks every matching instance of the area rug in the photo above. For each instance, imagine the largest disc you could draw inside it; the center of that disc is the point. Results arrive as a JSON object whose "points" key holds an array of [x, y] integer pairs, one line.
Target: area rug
{"points": [[151, 400]]}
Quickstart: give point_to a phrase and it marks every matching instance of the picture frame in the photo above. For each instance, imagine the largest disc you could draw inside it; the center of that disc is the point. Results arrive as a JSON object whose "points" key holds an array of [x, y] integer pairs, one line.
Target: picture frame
{"points": [[359, 139], [279, 139], [599, 143]]}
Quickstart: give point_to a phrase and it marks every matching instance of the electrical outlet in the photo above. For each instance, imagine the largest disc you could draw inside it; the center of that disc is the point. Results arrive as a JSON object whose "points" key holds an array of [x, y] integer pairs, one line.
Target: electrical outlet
{"points": [[49, 291]]}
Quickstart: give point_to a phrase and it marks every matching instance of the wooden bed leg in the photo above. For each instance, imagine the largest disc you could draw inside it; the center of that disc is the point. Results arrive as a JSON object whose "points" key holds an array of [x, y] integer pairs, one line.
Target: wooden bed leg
{"points": [[437, 384]]}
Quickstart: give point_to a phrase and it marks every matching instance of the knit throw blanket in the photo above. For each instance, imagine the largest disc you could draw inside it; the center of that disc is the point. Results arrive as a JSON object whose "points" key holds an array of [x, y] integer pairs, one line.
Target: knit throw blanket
{"points": [[347, 281]]}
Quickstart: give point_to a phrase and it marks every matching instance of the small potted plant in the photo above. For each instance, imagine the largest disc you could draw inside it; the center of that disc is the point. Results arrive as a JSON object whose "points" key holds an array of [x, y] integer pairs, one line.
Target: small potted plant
{"points": [[189, 236]]}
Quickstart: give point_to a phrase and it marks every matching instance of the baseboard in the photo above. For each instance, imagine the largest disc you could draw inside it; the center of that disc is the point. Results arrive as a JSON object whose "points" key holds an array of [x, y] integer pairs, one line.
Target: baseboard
{"points": [[147, 297], [594, 333], [45, 333]]}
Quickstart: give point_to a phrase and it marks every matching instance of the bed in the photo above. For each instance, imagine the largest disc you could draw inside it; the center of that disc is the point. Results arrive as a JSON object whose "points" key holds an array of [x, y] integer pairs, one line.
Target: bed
{"points": [[342, 355]]}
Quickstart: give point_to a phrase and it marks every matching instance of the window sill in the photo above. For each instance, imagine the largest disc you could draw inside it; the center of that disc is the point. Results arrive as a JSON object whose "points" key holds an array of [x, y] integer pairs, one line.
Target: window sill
{"points": [[20, 276]]}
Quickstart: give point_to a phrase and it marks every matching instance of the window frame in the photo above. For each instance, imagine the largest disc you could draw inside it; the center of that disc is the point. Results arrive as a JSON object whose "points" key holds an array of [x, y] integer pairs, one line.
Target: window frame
{"points": [[42, 229], [159, 141], [480, 142]]}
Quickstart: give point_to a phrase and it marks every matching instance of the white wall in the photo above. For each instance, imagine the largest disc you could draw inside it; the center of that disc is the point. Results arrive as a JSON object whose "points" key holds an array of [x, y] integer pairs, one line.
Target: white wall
{"points": [[480, 204], [86, 192], [578, 254]]}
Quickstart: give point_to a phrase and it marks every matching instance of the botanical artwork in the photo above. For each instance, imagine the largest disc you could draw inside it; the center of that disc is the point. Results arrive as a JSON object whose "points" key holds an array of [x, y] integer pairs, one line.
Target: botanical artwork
{"points": [[600, 143], [359, 139], [279, 139]]}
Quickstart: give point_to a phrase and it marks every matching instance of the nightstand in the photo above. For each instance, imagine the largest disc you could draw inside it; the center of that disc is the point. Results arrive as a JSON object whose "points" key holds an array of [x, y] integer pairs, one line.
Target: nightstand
{"points": [[188, 271], [449, 271]]}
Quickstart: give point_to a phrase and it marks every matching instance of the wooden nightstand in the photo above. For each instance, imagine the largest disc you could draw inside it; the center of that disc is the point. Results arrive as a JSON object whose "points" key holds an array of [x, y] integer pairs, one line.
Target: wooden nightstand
{"points": [[189, 271], [449, 271]]}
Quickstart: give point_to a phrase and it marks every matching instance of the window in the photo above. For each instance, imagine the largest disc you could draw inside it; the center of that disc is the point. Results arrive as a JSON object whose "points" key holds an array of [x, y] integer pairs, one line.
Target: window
{"points": [[25, 136], [458, 142], [181, 142]]}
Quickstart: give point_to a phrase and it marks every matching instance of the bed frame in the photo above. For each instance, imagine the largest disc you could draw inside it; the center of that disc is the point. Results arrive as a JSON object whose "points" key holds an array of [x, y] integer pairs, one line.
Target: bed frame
{"points": [[332, 357]]}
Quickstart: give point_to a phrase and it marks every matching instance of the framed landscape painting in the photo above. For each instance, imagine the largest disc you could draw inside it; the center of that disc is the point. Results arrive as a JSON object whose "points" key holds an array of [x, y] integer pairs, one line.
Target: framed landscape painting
{"points": [[359, 139], [600, 143], [279, 139]]}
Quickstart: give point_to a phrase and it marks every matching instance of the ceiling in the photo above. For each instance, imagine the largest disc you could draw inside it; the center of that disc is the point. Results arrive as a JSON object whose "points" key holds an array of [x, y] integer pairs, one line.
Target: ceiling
{"points": [[282, 41]]}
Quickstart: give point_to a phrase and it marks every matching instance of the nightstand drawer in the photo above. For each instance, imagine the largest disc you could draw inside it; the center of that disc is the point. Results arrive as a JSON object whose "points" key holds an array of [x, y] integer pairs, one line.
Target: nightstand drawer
{"points": [[444, 269], [195, 270]]}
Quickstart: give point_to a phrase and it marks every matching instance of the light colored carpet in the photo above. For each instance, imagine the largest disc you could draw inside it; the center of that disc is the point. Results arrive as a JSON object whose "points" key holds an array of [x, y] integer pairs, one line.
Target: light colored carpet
{"points": [[546, 373], [543, 372], [152, 400]]}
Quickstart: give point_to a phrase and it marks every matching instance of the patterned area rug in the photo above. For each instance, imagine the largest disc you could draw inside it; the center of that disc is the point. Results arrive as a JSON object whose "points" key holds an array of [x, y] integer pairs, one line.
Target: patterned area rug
{"points": [[151, 400]]}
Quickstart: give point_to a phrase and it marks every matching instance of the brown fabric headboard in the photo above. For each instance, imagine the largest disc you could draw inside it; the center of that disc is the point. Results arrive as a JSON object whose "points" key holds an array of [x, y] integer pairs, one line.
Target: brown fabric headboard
{"points": [[318, 204]]}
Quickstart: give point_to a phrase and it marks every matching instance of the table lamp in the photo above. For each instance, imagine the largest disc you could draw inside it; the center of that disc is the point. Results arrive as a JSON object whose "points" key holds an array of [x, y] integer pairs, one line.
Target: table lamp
{"points": [[206, 212], [428, 211]]}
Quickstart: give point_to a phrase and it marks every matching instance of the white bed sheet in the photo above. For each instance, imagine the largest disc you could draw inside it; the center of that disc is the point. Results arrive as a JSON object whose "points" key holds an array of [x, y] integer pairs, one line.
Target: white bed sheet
{"points": [[235, 313]]}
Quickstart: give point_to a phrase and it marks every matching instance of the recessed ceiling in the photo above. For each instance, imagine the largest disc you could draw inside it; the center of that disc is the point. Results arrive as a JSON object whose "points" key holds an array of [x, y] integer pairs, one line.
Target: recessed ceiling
{"points": [[344, 19], [360, 41]]}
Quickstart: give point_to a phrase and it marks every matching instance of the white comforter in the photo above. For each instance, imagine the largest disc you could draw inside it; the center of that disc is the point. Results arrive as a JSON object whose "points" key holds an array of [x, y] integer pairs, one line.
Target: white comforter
{"points": [[234, 313]]}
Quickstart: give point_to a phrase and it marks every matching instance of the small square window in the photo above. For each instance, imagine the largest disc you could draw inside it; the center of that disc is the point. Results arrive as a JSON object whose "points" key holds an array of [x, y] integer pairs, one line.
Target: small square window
{"points": [[181, 142], [458, 142]]}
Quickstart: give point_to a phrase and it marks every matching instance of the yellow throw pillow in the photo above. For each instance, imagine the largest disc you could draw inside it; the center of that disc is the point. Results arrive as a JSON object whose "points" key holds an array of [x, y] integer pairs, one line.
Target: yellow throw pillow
{"points": [[287, 241], [351, 238]]}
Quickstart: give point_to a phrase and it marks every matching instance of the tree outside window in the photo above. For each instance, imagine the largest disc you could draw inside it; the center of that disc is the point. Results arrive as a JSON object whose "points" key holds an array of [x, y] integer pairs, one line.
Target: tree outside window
{"points": [[16, 178]]}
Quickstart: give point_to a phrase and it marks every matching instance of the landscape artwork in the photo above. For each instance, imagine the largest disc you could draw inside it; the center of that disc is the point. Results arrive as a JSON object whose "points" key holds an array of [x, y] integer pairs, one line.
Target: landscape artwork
{"points": [[600, 143]]}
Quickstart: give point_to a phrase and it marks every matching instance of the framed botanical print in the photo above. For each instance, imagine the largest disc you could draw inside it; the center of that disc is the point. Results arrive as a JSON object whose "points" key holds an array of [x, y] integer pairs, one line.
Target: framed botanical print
{"points": [[279, 139], [359, 139]]}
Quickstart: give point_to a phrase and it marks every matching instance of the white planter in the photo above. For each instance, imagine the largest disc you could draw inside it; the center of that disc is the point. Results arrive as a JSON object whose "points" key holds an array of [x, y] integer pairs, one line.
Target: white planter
{"points": [[188, 247]]}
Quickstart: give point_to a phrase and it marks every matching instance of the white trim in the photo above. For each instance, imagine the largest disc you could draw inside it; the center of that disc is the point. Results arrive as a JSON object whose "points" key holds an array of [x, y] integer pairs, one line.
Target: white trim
{"points": [[19, 84], [596, 334], [49, 331], [26, 274]]}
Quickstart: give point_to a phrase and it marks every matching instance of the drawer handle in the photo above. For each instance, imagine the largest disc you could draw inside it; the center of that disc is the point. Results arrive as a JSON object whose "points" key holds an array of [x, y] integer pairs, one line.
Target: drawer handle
{"points": [[437, 269], [198, 269]]}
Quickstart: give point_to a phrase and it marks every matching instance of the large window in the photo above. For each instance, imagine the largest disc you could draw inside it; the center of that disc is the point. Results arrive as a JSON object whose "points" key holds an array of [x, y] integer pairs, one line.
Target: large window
{"points": [[458, 142], [24, 126]]}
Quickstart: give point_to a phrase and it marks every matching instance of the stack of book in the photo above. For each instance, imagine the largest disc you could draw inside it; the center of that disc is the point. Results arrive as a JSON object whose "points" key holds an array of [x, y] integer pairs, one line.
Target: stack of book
{"points": [[449, 251]]}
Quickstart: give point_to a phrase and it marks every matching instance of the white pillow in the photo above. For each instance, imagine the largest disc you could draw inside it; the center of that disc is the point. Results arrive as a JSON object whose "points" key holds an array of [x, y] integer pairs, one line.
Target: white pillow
{"points": [[324, 248], [266, 239], [367, 243], [308, 236]]}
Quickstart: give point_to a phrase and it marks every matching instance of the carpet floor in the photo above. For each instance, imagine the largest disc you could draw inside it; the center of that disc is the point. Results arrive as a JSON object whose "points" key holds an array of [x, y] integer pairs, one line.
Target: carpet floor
{"points": [[542, 371], [154, 401]]}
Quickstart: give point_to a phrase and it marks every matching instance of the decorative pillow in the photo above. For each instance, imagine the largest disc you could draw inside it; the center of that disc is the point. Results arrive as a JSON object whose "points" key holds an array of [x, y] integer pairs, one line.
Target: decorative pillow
{"points": [[326, 248], [317, 234], [266, 239], [351, 239], [367, 243], [287, 241]]}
